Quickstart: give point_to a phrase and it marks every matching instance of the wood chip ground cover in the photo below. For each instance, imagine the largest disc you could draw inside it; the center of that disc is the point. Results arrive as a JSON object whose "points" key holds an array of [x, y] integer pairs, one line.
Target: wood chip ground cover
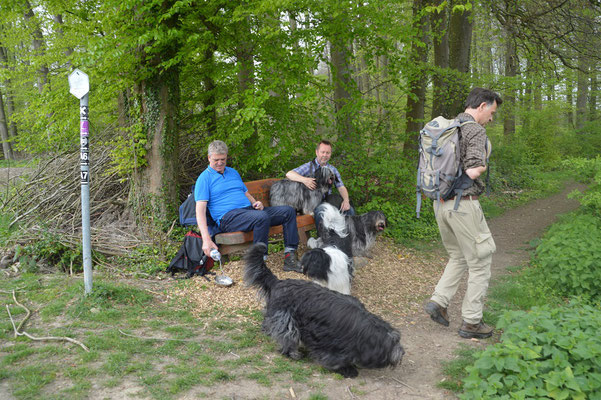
{"points": [[394, 281]]}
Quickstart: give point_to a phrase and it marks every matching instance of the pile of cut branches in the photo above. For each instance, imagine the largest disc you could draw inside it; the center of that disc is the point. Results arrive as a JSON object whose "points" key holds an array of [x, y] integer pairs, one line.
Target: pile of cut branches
{"points": [[49, 200]]}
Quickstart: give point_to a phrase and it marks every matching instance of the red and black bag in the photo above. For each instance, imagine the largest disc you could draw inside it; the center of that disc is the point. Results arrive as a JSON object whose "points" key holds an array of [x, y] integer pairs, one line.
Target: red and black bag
{"points": [[190, 258]]}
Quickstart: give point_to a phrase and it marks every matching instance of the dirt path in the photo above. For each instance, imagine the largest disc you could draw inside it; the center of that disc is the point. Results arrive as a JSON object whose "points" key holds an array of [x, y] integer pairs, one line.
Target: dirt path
{"points": [[427, 343]]}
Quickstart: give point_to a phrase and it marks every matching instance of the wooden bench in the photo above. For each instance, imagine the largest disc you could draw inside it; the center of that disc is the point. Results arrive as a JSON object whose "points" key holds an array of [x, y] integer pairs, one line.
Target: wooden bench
{"points": [[231, 242]]}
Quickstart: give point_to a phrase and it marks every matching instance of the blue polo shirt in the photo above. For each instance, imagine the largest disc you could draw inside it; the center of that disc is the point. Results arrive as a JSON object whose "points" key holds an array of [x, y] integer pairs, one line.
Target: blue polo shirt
{"points": [[223, 192]]}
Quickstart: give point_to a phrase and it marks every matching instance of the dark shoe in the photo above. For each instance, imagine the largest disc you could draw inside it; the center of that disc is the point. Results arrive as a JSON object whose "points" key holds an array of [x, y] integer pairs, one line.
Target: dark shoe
{"points": [[437, 313], [475, 331], [291, 262]]}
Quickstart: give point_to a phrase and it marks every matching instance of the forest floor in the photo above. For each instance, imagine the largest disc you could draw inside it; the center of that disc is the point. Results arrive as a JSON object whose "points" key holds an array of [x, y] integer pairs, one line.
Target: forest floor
{"points": [[395, 284]]}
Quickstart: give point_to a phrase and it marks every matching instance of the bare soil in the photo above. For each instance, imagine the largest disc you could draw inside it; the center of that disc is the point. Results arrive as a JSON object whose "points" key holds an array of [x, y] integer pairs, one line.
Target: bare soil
{"points": [[395, 283]]}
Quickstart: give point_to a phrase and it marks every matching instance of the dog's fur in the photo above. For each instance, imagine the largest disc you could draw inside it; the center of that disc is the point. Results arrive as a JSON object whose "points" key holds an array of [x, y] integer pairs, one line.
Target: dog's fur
{"points": [[295, 194], [329, 267], [357, 231], [335, 329], [331, 263]]}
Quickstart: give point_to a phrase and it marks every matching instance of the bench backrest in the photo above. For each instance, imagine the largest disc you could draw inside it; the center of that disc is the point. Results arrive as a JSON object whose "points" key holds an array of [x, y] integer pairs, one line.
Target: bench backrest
{"points": [[260, 189]]}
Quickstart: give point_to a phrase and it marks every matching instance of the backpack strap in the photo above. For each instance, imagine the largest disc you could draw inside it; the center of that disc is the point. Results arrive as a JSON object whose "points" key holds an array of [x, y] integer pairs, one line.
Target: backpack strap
{"points": [[465, 181]]}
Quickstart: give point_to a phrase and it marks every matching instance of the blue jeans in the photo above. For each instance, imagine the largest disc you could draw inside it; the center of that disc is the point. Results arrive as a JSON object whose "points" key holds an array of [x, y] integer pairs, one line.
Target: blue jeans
{"points": [[258, 221]]}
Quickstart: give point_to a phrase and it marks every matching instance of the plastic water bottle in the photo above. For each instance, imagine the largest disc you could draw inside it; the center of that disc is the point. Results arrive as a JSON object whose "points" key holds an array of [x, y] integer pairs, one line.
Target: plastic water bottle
{"points": [[215, 254]]}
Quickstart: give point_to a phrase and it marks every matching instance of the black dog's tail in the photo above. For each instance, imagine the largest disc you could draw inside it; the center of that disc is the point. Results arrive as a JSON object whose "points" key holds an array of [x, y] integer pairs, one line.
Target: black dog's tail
{"points": [[256, 273]]}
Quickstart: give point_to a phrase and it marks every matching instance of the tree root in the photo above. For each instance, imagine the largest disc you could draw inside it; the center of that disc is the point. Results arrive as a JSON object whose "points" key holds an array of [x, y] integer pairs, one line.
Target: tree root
{"points": [[17, 329]]}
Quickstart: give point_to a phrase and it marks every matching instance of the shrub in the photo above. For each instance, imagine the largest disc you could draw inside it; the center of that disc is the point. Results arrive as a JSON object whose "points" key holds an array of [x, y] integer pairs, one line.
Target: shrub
{"points": [[589, 172], [547, 353], [570, 255]]}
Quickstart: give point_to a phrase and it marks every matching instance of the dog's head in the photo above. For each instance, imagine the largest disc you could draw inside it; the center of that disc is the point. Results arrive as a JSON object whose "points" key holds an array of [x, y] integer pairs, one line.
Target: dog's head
{"points": [[376, 221], [324, 177]]}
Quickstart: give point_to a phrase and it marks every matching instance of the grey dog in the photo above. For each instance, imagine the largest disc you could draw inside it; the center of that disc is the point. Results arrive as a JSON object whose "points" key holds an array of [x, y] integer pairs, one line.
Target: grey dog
{"points": [[295, 194]]}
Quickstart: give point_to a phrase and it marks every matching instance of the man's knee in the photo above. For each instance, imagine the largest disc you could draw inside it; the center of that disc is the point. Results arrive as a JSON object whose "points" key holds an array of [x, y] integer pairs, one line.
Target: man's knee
{"points": [[261, 217]]}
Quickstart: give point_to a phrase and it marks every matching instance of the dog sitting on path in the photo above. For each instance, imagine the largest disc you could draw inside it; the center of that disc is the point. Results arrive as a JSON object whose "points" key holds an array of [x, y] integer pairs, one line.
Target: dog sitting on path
{"points": [[335, 329]]}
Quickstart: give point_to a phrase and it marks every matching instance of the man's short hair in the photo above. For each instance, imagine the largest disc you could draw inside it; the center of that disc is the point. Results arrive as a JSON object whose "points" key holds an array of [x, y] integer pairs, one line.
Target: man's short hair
{"points": [[217, 147], [323, 141], [480, 95]]}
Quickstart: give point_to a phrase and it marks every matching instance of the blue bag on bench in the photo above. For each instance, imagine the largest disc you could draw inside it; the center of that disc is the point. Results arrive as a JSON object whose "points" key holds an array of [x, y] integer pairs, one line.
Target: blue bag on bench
{"points": [[187, 214], [187, 211]]}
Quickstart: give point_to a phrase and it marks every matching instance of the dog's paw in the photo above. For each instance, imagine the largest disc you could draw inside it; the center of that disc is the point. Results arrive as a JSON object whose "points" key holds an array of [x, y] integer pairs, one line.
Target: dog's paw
{"points": [[348, 372], [312, 243], [360, 262], [294, 354]]}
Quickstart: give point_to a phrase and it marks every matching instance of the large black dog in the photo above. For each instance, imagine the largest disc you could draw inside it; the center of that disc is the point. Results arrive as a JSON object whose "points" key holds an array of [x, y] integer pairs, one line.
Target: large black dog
{"points": [[336, 329], [355, 231], [295, 194]]}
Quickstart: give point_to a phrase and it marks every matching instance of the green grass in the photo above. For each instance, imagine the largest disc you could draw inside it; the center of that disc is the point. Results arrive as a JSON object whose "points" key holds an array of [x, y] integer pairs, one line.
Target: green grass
{"points": [[455, 370], [190, 358]]}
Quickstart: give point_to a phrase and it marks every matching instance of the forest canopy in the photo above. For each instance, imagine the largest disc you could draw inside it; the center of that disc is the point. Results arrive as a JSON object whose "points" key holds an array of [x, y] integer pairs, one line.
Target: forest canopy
{"points": [[272, 78]]}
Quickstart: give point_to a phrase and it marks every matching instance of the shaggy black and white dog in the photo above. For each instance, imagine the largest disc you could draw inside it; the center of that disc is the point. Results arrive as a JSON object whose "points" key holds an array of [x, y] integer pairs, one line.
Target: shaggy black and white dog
{"points": [[357, 231], [329, 267], [331, 263], [295, 194], [335, 329]]}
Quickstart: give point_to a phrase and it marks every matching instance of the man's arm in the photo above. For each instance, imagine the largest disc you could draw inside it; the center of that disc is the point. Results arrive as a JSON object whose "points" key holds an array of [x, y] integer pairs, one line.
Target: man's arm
{"points": [[346, 203], [201, 220], [475, 172], [305, 180], [257, 205]]}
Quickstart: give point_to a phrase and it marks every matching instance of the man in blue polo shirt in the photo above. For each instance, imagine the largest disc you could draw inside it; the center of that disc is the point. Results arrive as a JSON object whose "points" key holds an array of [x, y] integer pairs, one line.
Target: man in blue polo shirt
{"points": [[220, 189]]}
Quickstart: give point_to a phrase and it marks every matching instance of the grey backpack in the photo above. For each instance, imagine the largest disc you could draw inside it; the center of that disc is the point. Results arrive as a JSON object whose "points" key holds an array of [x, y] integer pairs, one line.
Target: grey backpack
{"points": [[440, 173]]}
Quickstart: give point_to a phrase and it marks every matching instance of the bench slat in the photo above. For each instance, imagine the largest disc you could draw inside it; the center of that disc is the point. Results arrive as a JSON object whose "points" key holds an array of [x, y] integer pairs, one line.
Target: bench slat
{"points": [[231, 242]]}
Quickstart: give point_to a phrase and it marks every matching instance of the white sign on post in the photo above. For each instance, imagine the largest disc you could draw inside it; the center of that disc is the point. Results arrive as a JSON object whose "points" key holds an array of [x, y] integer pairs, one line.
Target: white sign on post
{"points": [[79, 83]]}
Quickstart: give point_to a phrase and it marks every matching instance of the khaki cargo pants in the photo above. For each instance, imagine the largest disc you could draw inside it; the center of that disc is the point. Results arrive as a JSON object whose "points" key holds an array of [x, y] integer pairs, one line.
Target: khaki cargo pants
{"points": [[470, 245]]}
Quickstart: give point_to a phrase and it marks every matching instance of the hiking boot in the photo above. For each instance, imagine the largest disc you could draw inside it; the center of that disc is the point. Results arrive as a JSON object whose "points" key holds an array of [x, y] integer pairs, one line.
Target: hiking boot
{"points": [[291, 262], [437, 313], [475, 331]]}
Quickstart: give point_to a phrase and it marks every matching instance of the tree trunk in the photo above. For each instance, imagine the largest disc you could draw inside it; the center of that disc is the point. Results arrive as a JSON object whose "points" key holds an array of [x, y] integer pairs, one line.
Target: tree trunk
{"points": [[511, 70], [69, 50], [343, 84], [6, 145], [10, 104], [569, 98], [582, 92], [159, 100], [460, 38], [244, 55], [417, 81], [592, 102], [440, 86], [38, 44]]}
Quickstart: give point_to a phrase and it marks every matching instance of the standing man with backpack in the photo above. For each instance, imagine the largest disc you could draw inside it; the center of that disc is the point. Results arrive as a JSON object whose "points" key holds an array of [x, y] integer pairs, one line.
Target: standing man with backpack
{"points": [[462, 226]]}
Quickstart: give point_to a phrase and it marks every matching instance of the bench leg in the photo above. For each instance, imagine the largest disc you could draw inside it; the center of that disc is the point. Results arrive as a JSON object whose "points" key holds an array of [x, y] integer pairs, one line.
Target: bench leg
{"points": [[302, 236]]}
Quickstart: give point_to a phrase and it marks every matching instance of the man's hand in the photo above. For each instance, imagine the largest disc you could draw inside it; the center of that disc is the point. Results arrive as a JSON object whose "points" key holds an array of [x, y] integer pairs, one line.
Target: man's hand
{"points": [[345, 205], [207, 246], [257, 205], [310, 183], [475, 172]]}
